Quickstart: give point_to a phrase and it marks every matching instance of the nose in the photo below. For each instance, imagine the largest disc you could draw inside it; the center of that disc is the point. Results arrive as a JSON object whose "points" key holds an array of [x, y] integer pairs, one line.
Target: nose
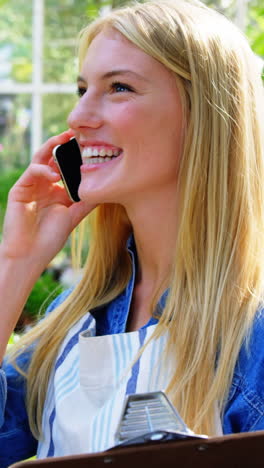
{"points": [[85, 114]]}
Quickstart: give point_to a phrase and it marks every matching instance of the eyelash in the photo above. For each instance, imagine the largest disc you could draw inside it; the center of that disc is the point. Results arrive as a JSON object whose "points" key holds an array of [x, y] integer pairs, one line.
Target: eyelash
{"points": [[81, 90], [117, 84]]}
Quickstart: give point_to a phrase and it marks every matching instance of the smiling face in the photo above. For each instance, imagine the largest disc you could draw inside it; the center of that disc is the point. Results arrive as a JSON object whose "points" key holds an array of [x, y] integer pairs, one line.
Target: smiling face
{"points": [[128, 123]]}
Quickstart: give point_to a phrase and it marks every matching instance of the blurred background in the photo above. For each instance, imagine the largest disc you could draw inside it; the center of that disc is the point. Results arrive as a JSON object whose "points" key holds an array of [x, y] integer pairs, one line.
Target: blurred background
{"points": [[38, 69]]}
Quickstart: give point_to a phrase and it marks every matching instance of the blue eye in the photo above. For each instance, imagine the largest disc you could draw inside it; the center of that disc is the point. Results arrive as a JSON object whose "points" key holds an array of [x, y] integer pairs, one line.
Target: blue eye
{"points": [[120, 87], [80, 91]]}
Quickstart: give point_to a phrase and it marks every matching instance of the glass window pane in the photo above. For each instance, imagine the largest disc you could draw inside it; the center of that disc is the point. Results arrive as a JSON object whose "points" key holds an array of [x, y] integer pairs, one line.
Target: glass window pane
{"points": [[56, 108], [16, 41], [15, 119], [63, 21]]}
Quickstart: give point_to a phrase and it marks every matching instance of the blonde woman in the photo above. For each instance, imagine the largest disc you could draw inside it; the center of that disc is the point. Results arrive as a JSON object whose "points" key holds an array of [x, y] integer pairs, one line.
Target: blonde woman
{"points": [[171, 293]]}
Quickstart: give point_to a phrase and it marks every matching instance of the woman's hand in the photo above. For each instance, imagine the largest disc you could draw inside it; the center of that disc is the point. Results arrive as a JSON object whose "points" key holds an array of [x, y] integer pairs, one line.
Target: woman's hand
{"points": [[40, 216]]}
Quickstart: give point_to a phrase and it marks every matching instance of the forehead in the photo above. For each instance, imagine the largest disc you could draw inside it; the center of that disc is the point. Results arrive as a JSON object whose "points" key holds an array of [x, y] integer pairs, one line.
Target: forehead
{"points": [[110, 50]]}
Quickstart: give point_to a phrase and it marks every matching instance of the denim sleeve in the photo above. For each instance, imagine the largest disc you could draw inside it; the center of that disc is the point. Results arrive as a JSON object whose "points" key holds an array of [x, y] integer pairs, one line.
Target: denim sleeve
{"points": [[16, 440], [3, 393], [245, 407]]}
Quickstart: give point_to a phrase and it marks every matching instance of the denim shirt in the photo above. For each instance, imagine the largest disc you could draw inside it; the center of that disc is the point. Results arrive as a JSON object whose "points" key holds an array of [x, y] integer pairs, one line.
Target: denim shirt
{"points": [[244, 410]]}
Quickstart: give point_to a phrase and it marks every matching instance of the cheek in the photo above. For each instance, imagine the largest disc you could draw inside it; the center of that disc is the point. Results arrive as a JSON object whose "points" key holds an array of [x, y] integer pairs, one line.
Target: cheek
{"points": [[154, 127], [127, 118]]}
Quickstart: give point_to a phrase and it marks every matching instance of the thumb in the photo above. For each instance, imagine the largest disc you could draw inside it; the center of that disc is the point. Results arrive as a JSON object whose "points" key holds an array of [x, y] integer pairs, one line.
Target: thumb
{"points": [[79, 211]]}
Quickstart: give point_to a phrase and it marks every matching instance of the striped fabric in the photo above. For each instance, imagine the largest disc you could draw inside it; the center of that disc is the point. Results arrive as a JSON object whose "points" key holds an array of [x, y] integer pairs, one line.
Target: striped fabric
{"points": [[91, 377]]}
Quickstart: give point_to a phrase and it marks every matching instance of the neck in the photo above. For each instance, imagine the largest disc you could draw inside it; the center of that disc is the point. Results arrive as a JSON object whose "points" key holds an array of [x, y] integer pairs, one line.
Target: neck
{"points": [[154, 222]]}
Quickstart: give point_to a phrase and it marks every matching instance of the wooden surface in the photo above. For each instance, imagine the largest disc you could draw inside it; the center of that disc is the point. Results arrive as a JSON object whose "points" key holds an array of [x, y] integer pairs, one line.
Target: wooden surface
{"points": [[233, 451]]}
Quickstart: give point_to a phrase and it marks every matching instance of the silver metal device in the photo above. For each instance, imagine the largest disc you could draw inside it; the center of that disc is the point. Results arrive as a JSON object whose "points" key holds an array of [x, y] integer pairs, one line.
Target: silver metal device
{"points": [[151, 417]]}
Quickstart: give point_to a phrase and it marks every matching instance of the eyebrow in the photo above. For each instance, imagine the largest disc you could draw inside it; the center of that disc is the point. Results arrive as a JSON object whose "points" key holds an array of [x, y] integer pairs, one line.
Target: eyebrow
{"points": [[112, 73]]}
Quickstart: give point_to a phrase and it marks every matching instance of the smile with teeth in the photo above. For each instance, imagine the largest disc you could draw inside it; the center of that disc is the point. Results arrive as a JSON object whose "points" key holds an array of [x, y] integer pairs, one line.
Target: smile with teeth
{"points": [[93, 155]]}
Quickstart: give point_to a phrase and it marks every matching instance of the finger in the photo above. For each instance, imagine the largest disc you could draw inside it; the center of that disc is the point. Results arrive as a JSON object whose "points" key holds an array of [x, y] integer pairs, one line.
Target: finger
{"points": [[54, 166], [43, 191], [36, 172], [59, 195], [32, 176], [43, 155]]}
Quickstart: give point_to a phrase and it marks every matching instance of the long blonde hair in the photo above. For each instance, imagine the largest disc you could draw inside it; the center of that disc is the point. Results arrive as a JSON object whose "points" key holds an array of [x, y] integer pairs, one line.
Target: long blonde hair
{"points": [[216, 282]]}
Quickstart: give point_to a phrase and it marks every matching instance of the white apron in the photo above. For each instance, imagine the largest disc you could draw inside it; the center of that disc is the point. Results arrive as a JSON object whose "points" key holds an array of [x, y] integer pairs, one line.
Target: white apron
{"points": [[91, 378]]}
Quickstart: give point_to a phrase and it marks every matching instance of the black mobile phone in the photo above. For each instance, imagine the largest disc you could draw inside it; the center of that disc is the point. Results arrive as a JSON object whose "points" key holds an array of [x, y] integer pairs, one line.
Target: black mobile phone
{"points": [[69, 161]]}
